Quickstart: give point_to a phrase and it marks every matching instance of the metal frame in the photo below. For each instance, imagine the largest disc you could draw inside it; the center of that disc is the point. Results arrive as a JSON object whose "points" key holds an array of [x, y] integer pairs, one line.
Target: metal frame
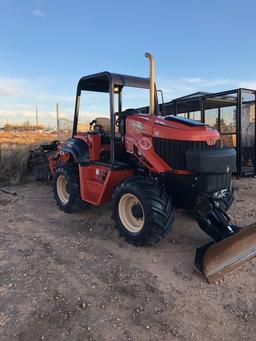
{"points": [[172, 108], [239, 133], [106, 82], [241, 145], [112, 124]]}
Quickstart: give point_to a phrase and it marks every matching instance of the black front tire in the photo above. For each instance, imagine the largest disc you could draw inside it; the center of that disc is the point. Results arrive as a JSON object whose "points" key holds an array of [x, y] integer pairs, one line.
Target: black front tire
{"points": [[156, 205], [73, 201]]}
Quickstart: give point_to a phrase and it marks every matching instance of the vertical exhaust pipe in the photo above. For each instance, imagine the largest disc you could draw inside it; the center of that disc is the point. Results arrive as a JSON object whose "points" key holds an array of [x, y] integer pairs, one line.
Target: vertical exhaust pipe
{"points": [[152, 83]]}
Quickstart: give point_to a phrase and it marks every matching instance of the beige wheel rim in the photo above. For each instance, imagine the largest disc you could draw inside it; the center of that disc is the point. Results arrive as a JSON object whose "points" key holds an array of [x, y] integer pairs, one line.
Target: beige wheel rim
{"points": [[131, 213], [62, 191]]}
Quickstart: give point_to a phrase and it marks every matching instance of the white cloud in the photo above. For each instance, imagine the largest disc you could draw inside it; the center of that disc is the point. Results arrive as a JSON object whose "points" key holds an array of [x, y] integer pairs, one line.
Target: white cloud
{"points": [[19, 96], [11, 87], [44, 96], [12, 115], [184, 86], [248, 85], [193, 80], [38, 13], [216, 82], [21, 113], [15, 115]]}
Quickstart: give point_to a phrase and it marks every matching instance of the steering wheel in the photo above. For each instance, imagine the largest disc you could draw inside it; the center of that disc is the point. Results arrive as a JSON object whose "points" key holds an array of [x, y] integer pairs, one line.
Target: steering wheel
{"points": [[91, 124], [118, 120]]}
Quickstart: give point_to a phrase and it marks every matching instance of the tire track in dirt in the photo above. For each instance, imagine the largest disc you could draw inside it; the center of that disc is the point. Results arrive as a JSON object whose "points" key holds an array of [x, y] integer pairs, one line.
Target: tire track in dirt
{"points": [[70, 277]]}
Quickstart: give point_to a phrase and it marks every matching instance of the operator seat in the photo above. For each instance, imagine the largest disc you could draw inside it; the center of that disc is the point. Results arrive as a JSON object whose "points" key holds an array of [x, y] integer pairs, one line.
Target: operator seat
{"points": [[103, 125], [104, 122]]}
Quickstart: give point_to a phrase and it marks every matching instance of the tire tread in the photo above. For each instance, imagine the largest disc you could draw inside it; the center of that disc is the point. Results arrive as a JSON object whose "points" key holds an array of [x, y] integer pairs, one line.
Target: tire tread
{"points": [[160, 206]]}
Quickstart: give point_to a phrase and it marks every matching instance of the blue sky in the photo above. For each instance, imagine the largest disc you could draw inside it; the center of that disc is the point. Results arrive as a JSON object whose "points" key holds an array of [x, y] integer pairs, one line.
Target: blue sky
{"points": [[47, 45]]}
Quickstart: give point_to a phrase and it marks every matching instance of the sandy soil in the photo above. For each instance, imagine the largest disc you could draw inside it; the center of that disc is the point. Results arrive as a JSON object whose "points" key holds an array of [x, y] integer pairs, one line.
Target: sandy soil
{"points": [[70, 277]]}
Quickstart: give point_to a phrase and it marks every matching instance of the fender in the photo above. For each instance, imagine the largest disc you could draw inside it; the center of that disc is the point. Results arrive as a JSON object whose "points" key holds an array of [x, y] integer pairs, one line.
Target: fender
{"points": [[77, 148]]}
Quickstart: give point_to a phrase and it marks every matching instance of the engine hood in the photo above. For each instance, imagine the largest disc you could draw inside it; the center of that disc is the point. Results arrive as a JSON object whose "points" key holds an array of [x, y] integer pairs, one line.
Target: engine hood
{"points": [[173, 127]]}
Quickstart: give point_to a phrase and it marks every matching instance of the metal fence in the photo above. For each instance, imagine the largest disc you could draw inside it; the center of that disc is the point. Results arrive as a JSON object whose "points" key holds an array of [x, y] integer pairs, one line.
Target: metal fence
{"points": [[232, 113]]}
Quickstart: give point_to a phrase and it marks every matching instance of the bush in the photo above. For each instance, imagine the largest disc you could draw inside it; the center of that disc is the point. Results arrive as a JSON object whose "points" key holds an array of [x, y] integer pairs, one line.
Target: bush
{"points": [[13, 163]]}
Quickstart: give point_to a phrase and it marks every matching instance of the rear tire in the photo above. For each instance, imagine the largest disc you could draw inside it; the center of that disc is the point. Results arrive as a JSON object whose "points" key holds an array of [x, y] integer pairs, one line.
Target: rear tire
{"points": [[142, 211], [66, 188]]}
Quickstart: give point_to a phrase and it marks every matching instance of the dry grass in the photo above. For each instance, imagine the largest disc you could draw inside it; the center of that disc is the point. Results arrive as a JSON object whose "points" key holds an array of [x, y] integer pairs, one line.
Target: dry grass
{"points": [[13, 165], [25, 138], [14, 152]]}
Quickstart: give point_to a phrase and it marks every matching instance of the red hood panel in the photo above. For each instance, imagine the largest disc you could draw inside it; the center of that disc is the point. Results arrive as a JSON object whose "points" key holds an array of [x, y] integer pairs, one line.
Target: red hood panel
{"points": [[156, 126]]}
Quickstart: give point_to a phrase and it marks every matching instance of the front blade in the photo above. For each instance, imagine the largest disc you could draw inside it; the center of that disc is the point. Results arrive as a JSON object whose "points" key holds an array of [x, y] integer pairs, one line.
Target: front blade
{"points": [[228, 254]]}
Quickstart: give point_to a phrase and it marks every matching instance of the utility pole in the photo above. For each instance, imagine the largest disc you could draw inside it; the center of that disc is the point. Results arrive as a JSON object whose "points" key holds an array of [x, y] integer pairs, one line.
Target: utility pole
{"points": [[36, 119], [57, 116]]}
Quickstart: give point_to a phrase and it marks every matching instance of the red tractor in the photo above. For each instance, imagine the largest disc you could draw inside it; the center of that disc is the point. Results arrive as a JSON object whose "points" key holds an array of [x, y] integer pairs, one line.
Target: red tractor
{"points": [[148, 165]]}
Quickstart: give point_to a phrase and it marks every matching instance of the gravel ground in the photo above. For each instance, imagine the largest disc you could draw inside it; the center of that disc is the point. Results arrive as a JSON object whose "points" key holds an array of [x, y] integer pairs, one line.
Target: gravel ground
{"points": [[70, 277]]}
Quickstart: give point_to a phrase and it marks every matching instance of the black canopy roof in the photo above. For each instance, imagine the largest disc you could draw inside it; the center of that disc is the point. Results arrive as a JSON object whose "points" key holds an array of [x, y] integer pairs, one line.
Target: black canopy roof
{"points": [[100, 82], [192, 102]]}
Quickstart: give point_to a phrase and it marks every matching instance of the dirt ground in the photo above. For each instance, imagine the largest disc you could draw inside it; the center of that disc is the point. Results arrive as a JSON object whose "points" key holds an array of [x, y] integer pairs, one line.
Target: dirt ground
{"points": [[70, 277]]}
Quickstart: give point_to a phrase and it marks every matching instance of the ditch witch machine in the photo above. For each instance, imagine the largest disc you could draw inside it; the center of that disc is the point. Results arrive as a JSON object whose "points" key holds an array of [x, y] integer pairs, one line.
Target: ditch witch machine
{"points": [[149, 164]]}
